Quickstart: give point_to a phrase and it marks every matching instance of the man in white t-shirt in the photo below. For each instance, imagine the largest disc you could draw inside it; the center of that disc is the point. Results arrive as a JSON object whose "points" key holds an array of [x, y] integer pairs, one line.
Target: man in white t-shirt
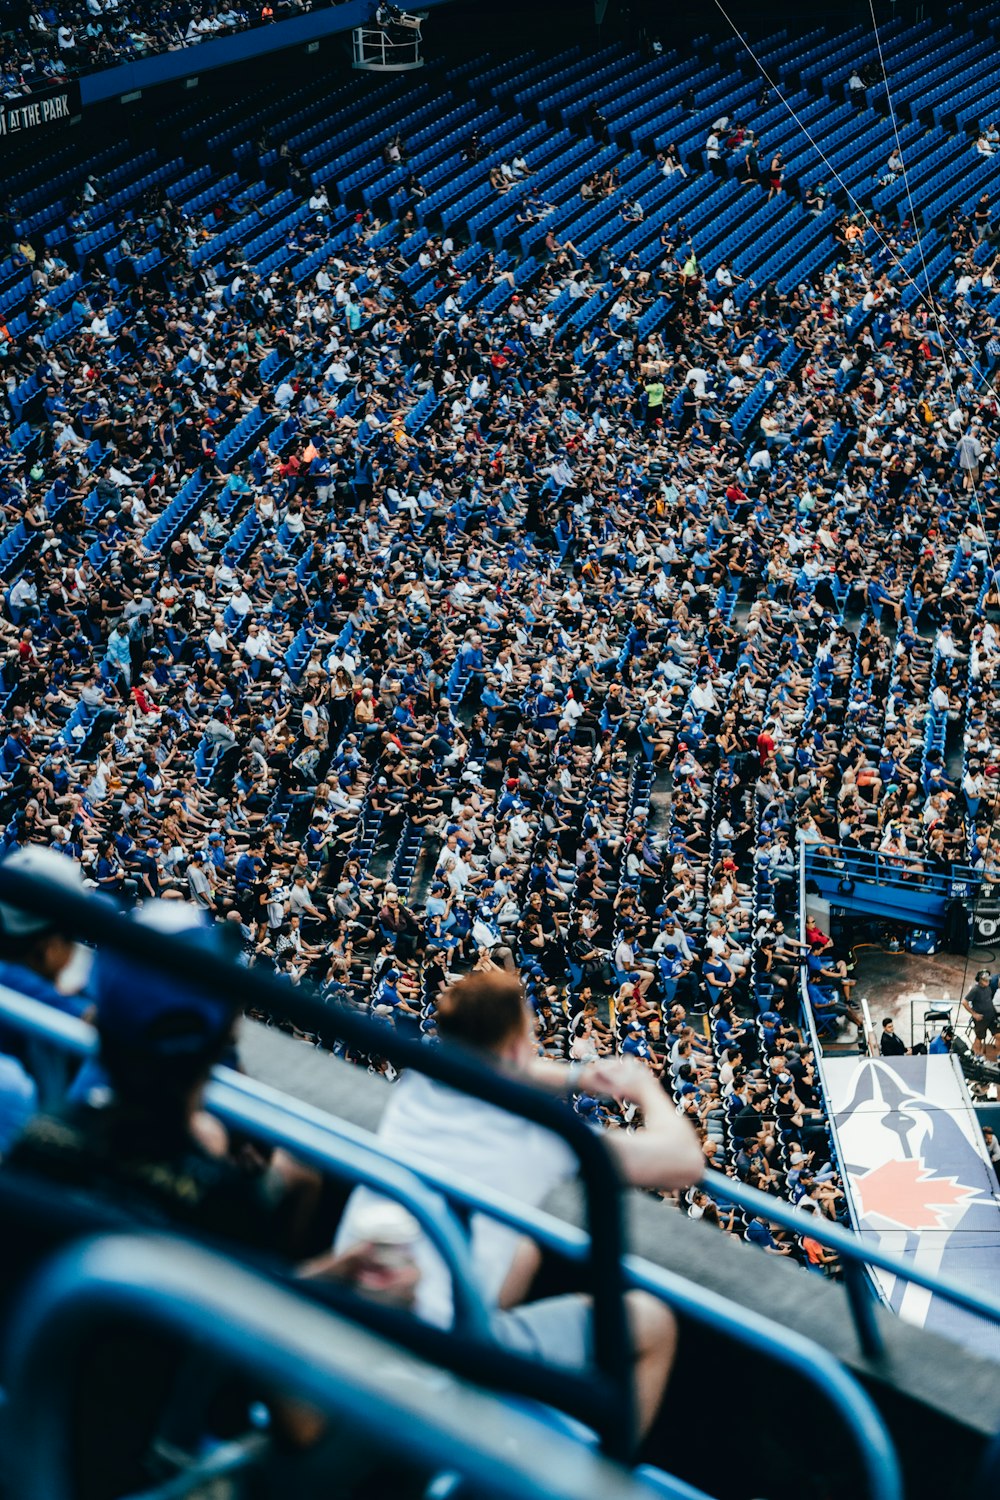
{"points": [[471, 1140]]}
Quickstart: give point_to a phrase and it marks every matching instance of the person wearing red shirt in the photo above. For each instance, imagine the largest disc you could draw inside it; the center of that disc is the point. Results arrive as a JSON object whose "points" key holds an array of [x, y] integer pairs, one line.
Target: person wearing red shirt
{"points": [[26, 650], [765, 744]]}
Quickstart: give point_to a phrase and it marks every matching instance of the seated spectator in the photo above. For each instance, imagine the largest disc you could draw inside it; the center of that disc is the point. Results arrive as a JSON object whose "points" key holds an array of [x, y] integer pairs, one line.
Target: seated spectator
{"points": [[487, 1011]]}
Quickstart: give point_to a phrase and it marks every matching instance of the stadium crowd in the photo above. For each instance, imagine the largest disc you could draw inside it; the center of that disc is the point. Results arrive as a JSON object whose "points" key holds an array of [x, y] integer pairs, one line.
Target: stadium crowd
{"points": [[558, 678], [51, 43]]}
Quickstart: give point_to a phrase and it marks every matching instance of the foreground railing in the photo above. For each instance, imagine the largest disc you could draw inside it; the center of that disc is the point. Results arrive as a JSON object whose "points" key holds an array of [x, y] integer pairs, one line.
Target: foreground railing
{"points": [[347, 1151], [603, 1402], [384, 1396]]}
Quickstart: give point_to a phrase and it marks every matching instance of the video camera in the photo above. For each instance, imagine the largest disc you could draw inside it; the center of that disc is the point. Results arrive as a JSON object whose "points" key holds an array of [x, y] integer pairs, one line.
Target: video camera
{"points": [[387, 14]]}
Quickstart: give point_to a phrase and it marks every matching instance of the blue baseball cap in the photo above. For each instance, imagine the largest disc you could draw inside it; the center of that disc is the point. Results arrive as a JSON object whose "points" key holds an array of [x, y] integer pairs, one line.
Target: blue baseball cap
{"points": [[147, 1012]]}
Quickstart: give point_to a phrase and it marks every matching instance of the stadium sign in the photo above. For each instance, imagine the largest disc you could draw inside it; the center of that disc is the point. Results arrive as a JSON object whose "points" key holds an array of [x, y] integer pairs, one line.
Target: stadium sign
{"points": [[31, 112]]}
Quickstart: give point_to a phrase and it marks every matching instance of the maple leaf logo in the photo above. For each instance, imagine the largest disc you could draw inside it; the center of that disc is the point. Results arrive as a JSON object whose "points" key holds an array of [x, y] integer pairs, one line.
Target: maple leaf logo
{"points": [[907, 1193]]}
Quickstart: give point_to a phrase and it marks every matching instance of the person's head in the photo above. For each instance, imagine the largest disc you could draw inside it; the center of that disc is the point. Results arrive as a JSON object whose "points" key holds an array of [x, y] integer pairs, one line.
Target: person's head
{"points": [[37, 942], [888, 1025], [159, 1036], [487, 1011]]}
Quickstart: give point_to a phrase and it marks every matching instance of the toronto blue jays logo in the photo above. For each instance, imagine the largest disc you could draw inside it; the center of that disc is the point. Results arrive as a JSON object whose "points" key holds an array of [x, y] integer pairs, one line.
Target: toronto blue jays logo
{"points": [[919, 1181], [910, 1162]]}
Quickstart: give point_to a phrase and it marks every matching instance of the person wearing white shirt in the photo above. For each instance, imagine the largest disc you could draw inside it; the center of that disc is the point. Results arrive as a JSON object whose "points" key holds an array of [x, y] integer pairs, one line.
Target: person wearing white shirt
{"points": [[217, 640], [703, 696], [257, 644], [241, 603], [310, 720], [475, 1141], [24, 595], [67, 438]]}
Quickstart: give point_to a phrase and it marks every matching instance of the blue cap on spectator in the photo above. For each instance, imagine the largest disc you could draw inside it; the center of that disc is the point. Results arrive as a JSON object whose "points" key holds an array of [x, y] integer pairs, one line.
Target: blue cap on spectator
{"points": [[143, 1010]]}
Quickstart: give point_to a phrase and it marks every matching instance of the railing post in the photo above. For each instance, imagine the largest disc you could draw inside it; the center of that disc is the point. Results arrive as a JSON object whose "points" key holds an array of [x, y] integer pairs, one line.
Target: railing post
{"points": [[862, 1309]]}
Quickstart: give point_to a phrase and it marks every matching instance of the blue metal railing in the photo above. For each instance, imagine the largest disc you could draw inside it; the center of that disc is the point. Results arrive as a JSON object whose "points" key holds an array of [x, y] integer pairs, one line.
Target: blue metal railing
{"points": [[326, 1140], [858, 1281], [384, 1394], [329, 1141], [340, 1146], [605, 1401], [895, 886], [872, 867]]}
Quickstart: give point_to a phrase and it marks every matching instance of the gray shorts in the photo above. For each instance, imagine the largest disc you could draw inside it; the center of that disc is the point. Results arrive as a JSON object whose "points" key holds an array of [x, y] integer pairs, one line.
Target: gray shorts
{"points": [[555, 1331]]}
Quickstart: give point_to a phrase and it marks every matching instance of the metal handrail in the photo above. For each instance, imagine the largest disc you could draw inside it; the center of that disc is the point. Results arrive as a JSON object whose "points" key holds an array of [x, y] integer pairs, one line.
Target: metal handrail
{"points": [[807, 1359], [233, 1096], [849, 1246], [256, 1108], [609, 1403], [287, 1343], [877, 868], [247, 1103], [470, 1195], [356, 1162]]}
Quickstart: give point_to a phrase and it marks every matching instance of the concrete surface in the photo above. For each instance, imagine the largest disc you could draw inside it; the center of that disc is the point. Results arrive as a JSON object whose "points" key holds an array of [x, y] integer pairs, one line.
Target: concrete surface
{"points": [[905, 985]]}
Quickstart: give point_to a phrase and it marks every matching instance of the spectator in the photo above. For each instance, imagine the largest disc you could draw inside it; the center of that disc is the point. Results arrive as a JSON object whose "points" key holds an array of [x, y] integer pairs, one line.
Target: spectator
{"points": [[890, 1045], [487, 1011], [979, 1002]]}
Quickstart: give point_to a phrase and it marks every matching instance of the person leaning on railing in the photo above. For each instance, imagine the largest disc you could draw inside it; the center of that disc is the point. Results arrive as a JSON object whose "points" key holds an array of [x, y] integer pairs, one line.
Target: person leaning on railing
{"points": [[478, 1142]]}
